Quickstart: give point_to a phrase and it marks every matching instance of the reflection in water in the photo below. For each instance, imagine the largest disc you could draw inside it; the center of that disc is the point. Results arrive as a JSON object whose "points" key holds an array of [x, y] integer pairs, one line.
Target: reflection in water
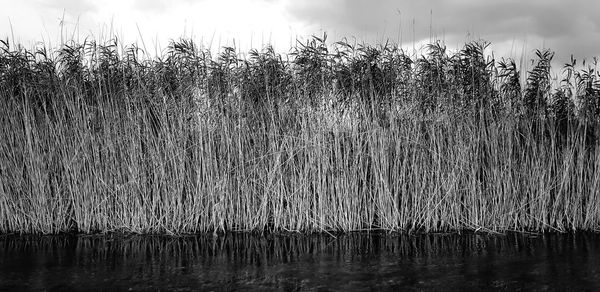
{"points": [[357, 261]]}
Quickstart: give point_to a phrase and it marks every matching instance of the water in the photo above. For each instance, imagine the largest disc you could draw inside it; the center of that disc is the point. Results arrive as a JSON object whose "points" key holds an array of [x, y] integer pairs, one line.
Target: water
{"points": [[358, 261]]}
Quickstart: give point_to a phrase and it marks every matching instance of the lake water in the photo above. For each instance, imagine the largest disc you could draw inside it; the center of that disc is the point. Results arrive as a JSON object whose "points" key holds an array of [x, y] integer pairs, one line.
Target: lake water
{"points": [[356, 261]]}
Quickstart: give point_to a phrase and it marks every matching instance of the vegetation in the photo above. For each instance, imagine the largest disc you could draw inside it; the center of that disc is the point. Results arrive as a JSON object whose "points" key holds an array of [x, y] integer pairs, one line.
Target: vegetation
{"points": [[330, 137]]}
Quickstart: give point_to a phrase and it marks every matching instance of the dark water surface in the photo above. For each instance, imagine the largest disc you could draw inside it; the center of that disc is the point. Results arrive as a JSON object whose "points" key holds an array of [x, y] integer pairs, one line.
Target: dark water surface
{"points": [[357, 261]]}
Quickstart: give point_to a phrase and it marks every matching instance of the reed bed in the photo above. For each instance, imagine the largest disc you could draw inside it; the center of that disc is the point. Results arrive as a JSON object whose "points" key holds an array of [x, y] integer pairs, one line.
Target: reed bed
{"points": [[328, 138]]}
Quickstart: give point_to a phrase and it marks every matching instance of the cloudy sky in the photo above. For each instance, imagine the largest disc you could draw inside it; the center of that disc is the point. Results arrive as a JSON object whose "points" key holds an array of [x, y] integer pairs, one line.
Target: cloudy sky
{"points": [[515, 27]]}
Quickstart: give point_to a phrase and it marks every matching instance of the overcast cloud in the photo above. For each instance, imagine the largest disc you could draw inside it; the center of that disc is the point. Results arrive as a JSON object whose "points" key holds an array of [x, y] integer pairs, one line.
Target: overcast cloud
{"points": [[543, 18], [564, 26]]}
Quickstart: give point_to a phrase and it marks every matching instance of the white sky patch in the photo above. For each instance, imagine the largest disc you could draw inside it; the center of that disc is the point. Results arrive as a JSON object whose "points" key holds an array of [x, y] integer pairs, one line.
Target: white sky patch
{"points": [[215, 23]]}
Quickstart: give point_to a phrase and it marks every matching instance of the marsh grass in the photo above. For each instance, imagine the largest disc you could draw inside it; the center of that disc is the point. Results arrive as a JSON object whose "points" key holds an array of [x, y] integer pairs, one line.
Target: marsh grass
{"points": [[340, 137]]}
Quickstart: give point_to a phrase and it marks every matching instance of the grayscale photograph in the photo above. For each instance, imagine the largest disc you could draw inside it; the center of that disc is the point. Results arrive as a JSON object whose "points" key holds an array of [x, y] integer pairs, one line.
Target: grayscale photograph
{"points": [[287, 145]]}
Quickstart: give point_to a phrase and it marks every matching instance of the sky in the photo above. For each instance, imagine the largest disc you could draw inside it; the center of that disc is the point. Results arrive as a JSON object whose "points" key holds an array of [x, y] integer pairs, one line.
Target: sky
{"points": [[514, 27]]}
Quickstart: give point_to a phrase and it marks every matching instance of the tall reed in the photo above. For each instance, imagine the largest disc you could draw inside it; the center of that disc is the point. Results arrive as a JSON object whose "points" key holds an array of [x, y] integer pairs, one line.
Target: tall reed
{"points": [[342, 137]]}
